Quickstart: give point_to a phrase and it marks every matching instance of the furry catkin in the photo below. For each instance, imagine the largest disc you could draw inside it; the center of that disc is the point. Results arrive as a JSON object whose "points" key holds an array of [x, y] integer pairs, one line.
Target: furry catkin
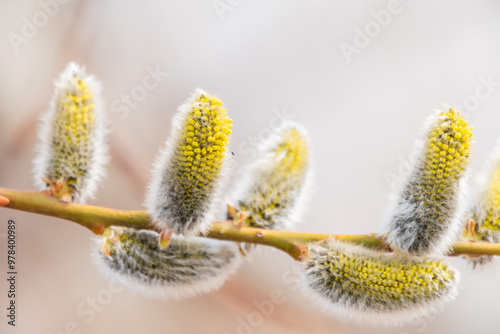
{"points": [[366, 285], [273, 193], [187, 267], [72, 152], [485, 211], [189, 173], [427, 213]]}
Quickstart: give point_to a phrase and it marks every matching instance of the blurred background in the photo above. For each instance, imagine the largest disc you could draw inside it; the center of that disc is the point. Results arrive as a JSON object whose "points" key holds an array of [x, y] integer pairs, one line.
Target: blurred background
{"points": [[360, 76]]}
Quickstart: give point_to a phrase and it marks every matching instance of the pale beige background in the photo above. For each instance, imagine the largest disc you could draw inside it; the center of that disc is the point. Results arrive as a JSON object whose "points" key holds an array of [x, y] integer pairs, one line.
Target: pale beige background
{"points": [[264, 56]]}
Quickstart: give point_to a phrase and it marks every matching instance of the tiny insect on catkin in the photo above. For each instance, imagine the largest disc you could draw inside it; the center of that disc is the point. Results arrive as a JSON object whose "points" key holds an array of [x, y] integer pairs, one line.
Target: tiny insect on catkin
{"points": [[189, 173], [72, 152], [371, 287], [276, 184], [485, 212], [188, 267], [427, 214]]}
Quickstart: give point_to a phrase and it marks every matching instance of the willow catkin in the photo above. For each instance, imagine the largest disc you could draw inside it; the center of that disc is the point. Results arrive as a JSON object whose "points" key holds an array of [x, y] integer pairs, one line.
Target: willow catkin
{"points": [[276, 184], [369, 286], [189, 266], [485, 211], [427, 214], [72, 152], [185, 190]]}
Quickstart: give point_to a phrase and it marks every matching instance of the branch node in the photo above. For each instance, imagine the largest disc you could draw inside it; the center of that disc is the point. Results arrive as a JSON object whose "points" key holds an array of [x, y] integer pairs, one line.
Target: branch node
{"points": [[97, 229], [303, 252]]}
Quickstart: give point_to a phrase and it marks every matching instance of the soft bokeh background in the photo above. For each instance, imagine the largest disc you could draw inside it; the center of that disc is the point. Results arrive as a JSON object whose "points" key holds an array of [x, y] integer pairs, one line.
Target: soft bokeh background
{"points": [[263, 59]]}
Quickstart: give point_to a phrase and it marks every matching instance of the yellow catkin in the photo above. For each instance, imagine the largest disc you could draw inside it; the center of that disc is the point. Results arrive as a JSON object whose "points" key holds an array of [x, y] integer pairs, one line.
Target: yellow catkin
{"points": [[361, 283], [187, 267], [276, 181], [427, 213], [189, 173], [202, 148], [72, 150], [486, 212]]}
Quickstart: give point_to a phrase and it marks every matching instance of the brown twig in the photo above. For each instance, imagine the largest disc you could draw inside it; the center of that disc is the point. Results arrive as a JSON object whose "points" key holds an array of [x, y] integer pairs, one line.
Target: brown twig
{"points": [[97, 218]]}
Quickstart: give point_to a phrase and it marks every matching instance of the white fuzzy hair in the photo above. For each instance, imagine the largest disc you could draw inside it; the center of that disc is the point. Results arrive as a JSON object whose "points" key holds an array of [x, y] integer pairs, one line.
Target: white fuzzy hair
{"points": [[479, 210], [158, 287], [349, 311], [96, 172], [256, 173], [403, 210], [483, 182], [157, 200]]}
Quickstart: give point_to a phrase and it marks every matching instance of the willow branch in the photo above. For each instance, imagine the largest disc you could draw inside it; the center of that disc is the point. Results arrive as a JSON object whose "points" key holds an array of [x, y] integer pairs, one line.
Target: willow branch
{"points": [[97, 218]]}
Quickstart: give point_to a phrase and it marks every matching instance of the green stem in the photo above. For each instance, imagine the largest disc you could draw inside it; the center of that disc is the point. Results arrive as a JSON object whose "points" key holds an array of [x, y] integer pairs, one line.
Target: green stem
{"points": [[97, 218]]}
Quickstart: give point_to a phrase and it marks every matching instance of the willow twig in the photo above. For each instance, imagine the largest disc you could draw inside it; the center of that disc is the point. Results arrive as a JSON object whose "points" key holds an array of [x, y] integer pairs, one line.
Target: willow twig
{"points": [[97, 218]]}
